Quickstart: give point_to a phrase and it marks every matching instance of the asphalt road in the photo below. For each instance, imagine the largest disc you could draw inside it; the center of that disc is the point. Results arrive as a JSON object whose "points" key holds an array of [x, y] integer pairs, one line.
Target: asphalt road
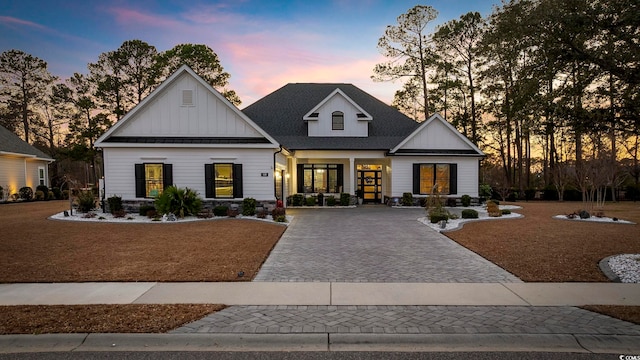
{"points": [[316, 356]]}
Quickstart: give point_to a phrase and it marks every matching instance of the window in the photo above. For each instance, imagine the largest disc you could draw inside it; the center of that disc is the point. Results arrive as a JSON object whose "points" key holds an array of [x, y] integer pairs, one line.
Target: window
{"points": [[430, 177], [152, 178], [223, 180], [41, 176], [320, 178], [337, 120]]}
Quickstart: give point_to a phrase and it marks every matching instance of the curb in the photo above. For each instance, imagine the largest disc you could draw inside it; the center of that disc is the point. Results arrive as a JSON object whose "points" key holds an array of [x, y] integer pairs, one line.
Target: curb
{"points": [[576, 343], [606, 269]]}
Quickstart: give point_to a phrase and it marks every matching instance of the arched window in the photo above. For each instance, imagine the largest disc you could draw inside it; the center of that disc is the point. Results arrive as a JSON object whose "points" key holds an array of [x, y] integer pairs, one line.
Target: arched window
{"points": [[337, 120]]}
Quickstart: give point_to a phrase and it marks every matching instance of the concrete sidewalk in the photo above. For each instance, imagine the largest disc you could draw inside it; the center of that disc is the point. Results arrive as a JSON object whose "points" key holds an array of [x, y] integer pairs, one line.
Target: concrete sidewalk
{"points": [[323, 293]]}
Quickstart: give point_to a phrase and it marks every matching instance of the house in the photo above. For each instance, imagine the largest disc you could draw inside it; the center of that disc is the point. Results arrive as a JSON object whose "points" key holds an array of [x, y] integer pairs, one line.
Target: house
{"points": [[302, 138], [21, 164]]}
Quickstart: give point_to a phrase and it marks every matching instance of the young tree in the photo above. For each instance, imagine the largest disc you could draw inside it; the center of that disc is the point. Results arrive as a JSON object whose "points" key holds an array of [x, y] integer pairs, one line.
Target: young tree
{"points": [[23, 79], [410, 50], [201, 59]]}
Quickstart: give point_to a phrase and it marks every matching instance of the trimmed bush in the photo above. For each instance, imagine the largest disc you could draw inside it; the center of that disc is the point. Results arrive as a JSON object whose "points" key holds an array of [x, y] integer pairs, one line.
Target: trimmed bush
{"points": [[310, 201], [465, 200], [320, 199], [86, 201], [45, 192], [436, 216], [115, 204], [220, 210], [345, 199], [407, 199], [279, 214], [57, 193], [65, 194], [248, 207], [39, 195], [493, 210], [26, 193], [505, 211], [51, 195], [297, 200], [469, 214], [144, 210], [178, 201], [331, 201]]}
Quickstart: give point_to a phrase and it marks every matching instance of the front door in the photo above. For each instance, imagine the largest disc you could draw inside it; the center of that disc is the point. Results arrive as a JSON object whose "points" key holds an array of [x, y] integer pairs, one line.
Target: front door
{"points": [[370, 182]]}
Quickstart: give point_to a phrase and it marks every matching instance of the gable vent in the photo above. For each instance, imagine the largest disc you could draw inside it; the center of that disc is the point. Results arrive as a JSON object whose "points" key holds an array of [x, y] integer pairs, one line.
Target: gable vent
{"points": [[187, 97]]}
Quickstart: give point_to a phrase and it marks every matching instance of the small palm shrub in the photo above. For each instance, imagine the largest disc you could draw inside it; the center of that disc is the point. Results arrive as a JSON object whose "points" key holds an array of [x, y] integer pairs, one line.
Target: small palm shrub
{"points": [[26, 193], [311, 201], [86, 201], [248, 207], [469, 214], [220, 210], [178, 201], [115, 203], [465, 200]]}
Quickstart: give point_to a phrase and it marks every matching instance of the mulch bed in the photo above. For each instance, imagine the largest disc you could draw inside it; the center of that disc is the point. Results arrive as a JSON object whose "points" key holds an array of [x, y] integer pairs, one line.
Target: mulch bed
{"points": [[626, 313], [129, 318]]}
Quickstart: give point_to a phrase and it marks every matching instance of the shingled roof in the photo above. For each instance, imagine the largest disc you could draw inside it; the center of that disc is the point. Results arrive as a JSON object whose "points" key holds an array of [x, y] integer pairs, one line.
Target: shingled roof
{"points": [[281, 115], [11, 143]]}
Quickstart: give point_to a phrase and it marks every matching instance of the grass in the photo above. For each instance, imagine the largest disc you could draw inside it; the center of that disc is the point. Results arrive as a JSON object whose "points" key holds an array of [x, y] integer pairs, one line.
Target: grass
{"points": [[535, 248]]}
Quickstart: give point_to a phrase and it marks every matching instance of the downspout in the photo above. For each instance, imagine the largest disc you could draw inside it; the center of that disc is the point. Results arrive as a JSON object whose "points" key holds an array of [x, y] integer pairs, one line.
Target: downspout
{"points": [[275, 190]]}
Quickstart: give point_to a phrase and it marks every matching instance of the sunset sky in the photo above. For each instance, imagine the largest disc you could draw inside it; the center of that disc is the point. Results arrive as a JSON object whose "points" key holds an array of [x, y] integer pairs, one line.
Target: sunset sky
{"points": [[262, 44]]}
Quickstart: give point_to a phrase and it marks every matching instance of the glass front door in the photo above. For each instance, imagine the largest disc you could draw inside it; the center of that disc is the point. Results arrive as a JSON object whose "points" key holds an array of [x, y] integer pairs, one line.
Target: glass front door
{"points": [[370, 182]]}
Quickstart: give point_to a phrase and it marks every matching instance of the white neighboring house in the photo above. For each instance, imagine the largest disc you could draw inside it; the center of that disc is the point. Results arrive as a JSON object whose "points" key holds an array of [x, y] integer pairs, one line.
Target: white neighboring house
{"points": [[302, 138], [21, 164]]}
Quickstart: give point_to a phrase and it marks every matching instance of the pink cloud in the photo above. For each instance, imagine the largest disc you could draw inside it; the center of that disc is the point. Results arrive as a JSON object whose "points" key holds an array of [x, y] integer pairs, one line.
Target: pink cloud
{"points": [[8, 20], [138, 18]]}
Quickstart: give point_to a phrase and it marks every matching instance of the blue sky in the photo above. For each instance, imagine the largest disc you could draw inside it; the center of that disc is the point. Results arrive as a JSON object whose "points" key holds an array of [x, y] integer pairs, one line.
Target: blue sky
{"points": [[262, 44]]}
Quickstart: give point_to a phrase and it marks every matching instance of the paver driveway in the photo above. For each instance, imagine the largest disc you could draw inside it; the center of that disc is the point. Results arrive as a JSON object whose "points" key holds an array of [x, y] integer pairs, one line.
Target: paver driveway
{"points": [[372, 244]]}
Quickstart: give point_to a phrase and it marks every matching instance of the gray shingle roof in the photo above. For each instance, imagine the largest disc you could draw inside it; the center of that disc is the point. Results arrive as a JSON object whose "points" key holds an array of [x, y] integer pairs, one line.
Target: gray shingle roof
{"points": [[10, 142], [281, 115]]}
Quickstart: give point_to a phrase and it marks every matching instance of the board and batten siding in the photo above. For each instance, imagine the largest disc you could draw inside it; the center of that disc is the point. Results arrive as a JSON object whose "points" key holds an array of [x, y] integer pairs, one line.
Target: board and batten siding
{"points": [[402, 174], [166, 115], [436, 136], [352, 126], [188, 168]]}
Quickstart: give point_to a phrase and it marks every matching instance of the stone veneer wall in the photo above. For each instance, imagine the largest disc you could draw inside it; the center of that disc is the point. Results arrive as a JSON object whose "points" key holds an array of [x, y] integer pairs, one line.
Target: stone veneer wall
{"points": [[133, 206]]}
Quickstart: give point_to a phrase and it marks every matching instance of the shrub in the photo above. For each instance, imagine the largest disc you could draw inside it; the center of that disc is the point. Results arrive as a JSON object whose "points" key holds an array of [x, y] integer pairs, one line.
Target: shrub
{"points": [[86, 201], [407, 199], [45, 190], [57, 193], [493, 210], [1, 192], [220, 210], [115, 204], [345, 199], [152, 213], [331, 201], [248, 207], [279, 215], [297, 200], [39, 195], [119, 213], [178, 201], [435, 216], [485, 191], [632, 192], [51, 195], [65, 194], [144, 209], [320, 199], [469, 214], [505, 211], [311, 201], [26, 193], [529, 194], [465, 200]]}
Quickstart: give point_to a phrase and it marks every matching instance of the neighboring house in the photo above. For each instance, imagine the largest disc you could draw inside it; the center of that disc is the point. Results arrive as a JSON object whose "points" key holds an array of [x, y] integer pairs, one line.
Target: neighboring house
{"points": [[302, 138], [21, 164]]}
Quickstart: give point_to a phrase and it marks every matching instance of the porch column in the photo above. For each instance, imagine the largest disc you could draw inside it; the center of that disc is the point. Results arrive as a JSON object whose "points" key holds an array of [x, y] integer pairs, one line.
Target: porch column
{"points": [[352, 177]]}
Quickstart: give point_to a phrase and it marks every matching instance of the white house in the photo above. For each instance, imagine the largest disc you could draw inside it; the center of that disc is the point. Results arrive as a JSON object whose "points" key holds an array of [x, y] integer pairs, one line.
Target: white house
{"points": [[302, 138], [21, 164]]}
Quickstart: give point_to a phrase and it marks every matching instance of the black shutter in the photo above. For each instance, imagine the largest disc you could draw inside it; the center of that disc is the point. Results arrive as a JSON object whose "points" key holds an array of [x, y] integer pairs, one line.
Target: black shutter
{"points": [[141, 189], [300, 177], [341, 177], [167, 175], [237, 180], [453, 179], [416, 178], [208, 181]]}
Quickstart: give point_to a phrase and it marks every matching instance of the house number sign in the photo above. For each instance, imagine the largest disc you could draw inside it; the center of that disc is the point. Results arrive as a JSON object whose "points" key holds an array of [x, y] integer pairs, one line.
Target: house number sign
{"points": [[264, 174]]}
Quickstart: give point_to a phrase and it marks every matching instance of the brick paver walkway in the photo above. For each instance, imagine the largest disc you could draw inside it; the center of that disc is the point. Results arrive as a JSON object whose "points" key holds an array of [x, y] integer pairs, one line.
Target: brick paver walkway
{"points": [[372, 244], [410, 320]]}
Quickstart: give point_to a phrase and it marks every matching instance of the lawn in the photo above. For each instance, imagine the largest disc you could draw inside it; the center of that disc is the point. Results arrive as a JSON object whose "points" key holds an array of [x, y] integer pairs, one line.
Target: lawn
{"points": [[36, 249], [537, 248]]}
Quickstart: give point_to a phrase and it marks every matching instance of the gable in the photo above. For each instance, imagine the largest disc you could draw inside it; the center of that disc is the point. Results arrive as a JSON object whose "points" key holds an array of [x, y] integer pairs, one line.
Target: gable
{"points": [[185, 110], [437, 136], [320, 118]]}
